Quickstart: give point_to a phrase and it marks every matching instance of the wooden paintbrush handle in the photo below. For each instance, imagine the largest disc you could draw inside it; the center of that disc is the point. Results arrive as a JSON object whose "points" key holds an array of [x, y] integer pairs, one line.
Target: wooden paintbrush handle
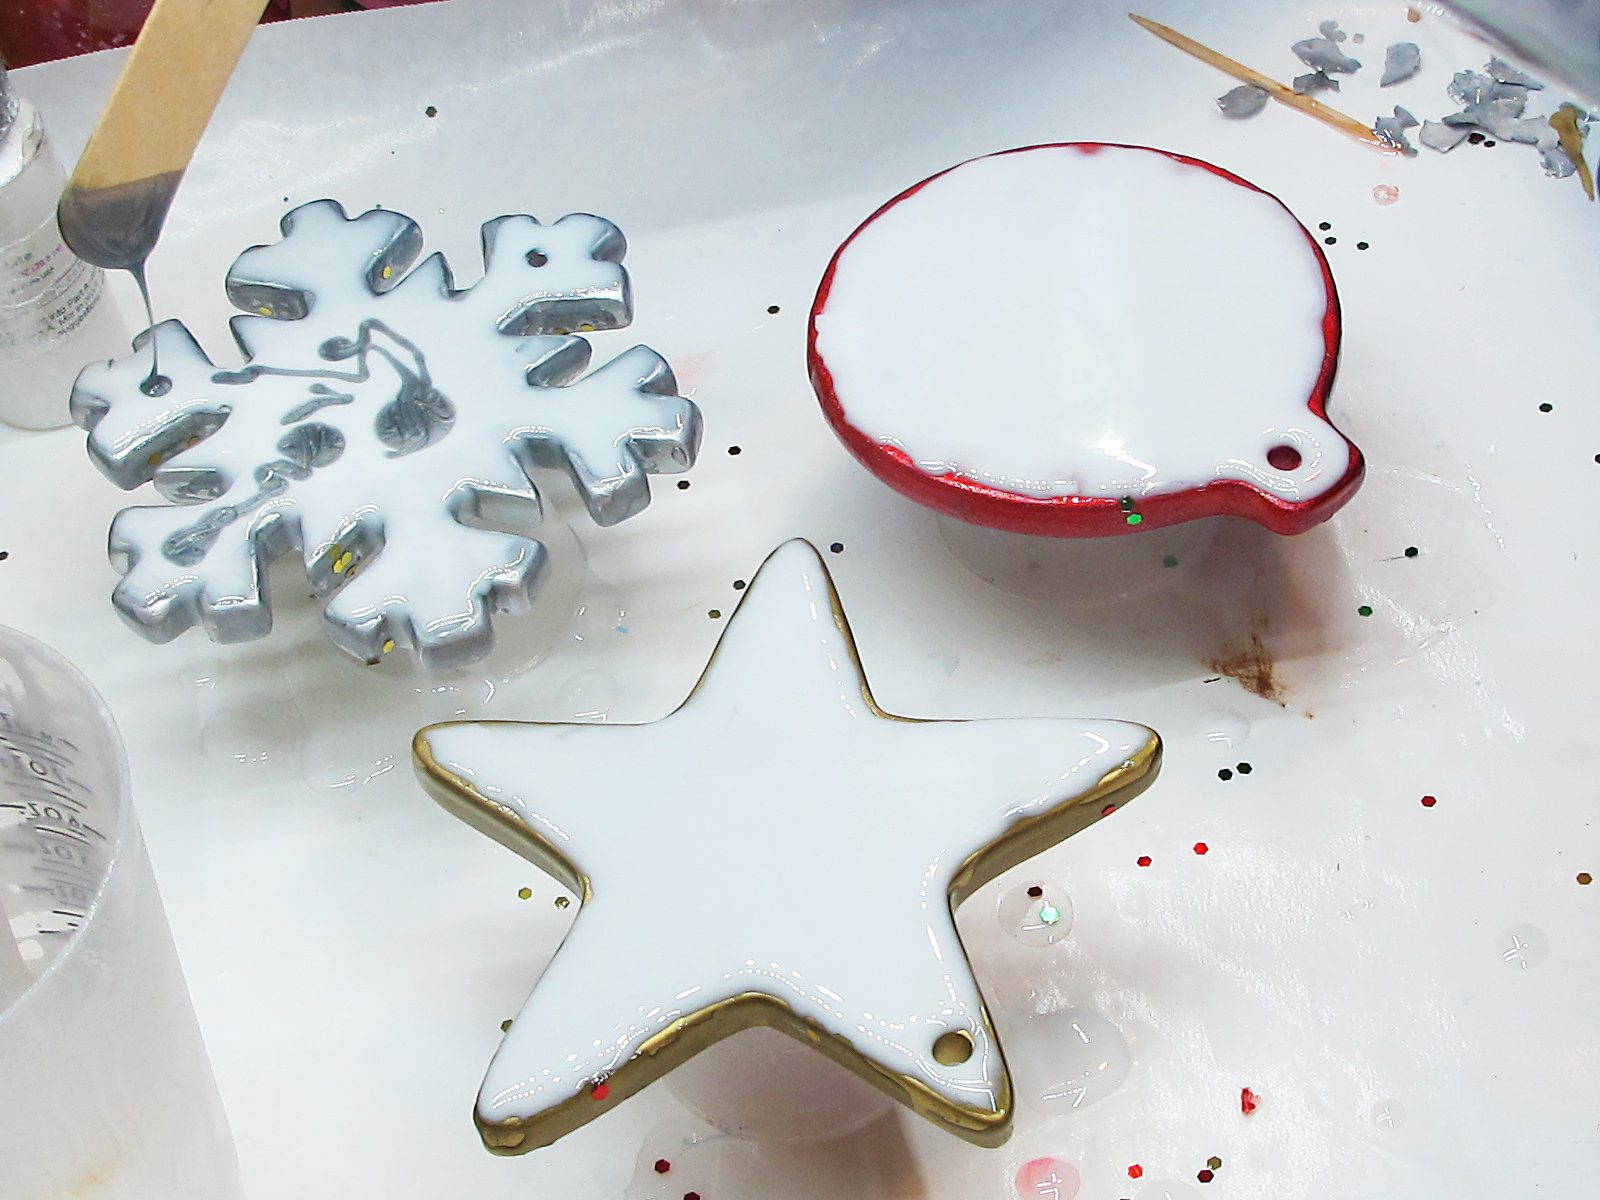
{"points": [[117, 199], [168, 90]]}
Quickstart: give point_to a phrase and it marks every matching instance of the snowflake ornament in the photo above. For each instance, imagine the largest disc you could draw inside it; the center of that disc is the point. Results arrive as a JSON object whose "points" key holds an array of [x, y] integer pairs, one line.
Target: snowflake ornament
{"points": [[385, 425]]}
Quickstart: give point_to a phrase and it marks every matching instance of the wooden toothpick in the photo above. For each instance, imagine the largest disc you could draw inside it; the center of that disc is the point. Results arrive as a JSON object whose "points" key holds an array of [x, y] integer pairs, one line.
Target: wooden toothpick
{"points": [[1282, 93]]}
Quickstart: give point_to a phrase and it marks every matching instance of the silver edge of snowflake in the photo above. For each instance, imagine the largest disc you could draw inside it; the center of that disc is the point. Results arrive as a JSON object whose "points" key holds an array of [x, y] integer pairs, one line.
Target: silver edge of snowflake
{"points": [[401, 469]]}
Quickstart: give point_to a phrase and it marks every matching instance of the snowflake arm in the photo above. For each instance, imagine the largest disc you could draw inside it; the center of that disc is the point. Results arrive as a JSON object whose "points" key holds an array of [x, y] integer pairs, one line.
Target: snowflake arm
{"points": [[612, 428]]}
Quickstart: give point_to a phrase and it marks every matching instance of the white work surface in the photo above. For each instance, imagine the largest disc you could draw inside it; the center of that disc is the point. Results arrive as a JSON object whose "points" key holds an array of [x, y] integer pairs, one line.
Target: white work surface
{"points": [[1342, 950]]}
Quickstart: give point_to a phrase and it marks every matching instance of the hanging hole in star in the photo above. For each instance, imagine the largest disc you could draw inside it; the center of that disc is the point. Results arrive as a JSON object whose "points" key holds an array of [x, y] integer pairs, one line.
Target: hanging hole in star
{"points": [[537, 258], [1284, 458], [953, 1048]]}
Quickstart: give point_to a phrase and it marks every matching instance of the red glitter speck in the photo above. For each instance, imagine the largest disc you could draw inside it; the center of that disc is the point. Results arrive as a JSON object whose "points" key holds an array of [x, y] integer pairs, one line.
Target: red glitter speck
{"points": [[1135, 1171], [1201, 847], [1429, 801], [1205, 1176], [1144, 860], [1108, 810], [600, 1091], [1248, 1101], [662, 1166]]}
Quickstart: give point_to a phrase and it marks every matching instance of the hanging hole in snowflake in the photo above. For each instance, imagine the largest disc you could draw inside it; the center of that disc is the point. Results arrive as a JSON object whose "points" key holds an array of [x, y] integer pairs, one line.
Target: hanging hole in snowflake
{"points": [[156, 385], [1036, 913], [953, 1048], [537, 258], [1284, 458]]}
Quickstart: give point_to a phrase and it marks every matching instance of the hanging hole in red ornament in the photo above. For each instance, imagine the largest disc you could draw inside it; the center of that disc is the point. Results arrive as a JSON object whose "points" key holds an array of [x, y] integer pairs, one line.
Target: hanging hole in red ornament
{"points": [[1284, 458]]}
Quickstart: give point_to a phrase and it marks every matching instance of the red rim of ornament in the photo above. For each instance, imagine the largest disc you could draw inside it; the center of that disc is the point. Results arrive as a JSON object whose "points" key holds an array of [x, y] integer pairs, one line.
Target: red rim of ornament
{"points": [[1089, 516]]}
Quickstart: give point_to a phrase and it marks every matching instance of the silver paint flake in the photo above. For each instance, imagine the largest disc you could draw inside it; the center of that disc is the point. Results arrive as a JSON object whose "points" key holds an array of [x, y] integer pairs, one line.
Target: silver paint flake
{"points": [[1400, 62], [1246, 100]]}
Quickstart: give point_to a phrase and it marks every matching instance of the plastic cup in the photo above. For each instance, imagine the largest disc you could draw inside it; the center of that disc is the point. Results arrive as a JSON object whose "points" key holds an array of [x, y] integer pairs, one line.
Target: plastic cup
{"points": [[105, 1088]]}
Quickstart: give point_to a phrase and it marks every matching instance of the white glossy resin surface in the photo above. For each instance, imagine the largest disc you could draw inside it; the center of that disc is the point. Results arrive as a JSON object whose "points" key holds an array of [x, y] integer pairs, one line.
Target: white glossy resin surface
{"points": [[1059, 323], [781, 816]]}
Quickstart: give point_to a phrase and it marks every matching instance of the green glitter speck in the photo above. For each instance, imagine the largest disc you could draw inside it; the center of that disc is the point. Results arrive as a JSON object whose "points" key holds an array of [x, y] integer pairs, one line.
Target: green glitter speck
{"points": [[1412, 552], [1170, 560], [1365, 610], [1049, 914], [1214, 1163], [1135, 519]]}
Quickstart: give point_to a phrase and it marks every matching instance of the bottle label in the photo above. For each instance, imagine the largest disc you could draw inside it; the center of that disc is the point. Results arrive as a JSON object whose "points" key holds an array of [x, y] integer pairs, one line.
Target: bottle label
{"points": [[46, 292]]}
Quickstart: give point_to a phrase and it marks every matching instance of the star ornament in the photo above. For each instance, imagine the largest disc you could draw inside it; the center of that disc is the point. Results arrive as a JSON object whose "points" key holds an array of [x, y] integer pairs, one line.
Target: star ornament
{"points": [[778, 851]]}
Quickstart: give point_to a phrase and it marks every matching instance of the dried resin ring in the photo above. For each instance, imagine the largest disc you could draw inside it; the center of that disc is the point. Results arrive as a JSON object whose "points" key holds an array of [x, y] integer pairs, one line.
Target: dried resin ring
{"points": [[1085, 339]]}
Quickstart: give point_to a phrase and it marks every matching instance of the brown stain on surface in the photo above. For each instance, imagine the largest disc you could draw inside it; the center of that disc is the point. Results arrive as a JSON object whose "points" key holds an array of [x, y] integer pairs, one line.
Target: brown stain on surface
{"points": [[1253, 668], [98, 1179]]}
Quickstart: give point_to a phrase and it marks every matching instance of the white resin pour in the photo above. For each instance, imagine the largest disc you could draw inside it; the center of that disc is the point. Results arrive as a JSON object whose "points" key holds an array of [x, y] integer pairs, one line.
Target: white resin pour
{"points": [[1054, 322], [385, 427], [791, 841]]}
